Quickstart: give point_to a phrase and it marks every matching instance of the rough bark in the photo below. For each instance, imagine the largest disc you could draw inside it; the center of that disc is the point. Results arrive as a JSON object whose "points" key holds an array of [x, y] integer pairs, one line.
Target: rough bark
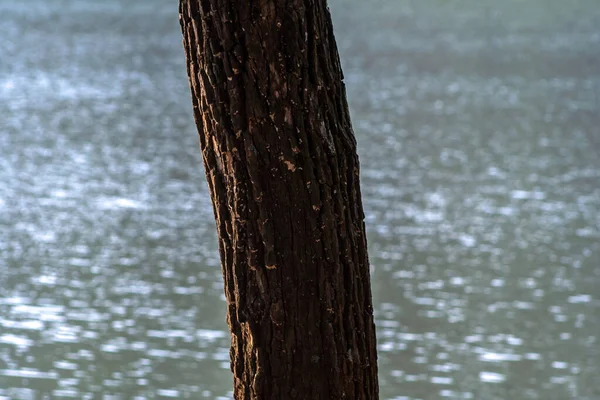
{"points": [[280, 159]]}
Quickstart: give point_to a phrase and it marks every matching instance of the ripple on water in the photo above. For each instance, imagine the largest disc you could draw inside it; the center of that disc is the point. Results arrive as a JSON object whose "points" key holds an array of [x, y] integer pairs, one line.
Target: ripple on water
{"points": [[491, 377]]}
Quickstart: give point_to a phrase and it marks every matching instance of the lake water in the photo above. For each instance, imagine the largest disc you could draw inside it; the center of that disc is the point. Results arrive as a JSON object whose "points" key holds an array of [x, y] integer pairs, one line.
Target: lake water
{"points": [[479, 132]]}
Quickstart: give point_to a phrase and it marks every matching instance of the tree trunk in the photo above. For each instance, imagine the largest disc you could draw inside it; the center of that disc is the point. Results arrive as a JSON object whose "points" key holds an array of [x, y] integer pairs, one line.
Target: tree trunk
{"points": [[281, 164]]}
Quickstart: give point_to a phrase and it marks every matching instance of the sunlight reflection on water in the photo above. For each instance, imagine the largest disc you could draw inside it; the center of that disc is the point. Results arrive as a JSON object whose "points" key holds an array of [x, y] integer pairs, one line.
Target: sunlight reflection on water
{"points": [[478, 134]]}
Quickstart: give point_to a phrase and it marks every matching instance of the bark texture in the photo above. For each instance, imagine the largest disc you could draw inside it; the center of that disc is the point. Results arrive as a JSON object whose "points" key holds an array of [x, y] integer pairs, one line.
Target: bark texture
{"points": [[281, 163]]}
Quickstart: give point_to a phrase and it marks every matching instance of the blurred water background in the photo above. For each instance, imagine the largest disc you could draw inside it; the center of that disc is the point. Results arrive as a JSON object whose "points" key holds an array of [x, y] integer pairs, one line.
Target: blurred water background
{"points": [[479, 131]]}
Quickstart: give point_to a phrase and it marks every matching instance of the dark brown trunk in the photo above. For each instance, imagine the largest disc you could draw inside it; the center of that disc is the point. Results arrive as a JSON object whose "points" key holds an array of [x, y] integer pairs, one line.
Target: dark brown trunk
{"points": [[282, 168]]}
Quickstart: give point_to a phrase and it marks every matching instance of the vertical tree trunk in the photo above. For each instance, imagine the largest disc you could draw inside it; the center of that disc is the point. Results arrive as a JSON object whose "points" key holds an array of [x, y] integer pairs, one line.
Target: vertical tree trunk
{"points": [[282, 168]]}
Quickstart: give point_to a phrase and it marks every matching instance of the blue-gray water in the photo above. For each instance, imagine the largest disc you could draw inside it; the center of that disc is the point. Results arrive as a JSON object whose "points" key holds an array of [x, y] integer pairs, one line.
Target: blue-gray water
{"points": [[479, 132]]}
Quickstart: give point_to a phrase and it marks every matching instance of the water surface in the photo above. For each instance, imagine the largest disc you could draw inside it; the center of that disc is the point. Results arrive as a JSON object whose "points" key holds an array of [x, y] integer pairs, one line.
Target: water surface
{"points": [[478, 127]]}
